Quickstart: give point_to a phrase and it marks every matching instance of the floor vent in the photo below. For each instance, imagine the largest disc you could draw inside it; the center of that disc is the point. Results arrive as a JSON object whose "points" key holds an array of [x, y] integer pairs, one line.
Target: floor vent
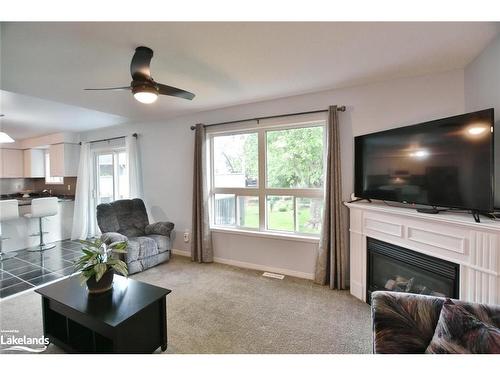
{"points": [[273, 275]]}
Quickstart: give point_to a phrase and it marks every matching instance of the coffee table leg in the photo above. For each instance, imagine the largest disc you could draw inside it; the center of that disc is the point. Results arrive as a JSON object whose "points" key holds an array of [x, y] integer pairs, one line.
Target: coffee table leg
{"points": [[163, 309]]}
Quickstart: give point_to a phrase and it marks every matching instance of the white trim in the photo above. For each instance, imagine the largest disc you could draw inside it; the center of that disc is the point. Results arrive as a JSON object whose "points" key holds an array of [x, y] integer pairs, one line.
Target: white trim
{"points": [[282, 122], [242, 192], [182, 253], [457, 218], [377, 225], [412, 231], [299, 121], [237, 127], [263, 190], [252, 266], [114, 151], [262, 184], [450, 236], [274, 235], [260, 267]]}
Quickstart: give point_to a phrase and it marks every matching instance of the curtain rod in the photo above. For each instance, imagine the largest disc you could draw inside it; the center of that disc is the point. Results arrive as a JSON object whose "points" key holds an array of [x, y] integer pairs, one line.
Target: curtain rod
{"points": [[109, 139], [339, 108]]}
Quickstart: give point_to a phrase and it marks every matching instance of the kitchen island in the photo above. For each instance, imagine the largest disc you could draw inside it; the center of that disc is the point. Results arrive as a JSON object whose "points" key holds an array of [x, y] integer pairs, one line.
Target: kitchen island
{"points": [[19, 231]]}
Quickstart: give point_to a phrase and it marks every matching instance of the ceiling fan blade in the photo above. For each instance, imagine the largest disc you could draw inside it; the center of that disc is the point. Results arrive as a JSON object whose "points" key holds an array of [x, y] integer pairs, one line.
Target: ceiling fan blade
{"points": [[139, 67], [174, 91], [110, 88]]}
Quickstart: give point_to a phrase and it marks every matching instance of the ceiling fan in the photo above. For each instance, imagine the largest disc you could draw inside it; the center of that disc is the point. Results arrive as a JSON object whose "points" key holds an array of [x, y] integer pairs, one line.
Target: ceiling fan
{"points": [[143, 86]]}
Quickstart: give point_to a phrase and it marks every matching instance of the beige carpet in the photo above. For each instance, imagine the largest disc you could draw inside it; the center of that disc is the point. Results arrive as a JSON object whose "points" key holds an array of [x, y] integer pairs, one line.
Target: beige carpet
{"points": [[215, 308]]}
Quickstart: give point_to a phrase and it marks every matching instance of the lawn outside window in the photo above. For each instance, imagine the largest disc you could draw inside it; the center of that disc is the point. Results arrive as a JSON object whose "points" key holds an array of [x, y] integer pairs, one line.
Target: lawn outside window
{"points": [[268, 177]]}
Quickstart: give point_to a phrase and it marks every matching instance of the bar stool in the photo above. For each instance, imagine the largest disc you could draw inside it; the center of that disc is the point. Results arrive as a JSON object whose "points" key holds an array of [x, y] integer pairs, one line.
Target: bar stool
{"points": [[9, 210], [41, 208]]}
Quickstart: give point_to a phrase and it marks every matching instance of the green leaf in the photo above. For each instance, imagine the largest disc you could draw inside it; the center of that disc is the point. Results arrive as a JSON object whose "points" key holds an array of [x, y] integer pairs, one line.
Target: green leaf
{"points": [[87, 273], [119, 251], [100, 270], [119, 247], [78, 266], [120, 269], [98, 258], [95, 244], [88, 252]]}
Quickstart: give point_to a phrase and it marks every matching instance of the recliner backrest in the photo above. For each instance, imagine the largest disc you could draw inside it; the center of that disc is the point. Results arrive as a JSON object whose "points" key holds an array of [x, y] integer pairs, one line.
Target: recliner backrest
{"points": [[125, 216]]}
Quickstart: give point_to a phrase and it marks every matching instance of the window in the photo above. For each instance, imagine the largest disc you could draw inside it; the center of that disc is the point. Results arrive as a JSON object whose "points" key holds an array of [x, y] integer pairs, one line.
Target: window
{"points": [[111, 176], [268, 177], [50, 180], [235, 160]]}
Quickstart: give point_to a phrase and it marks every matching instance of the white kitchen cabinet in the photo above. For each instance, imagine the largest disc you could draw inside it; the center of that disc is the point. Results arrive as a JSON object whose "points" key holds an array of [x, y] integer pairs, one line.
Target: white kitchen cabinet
{"points": [[64, 158], [34, 163], [11, 163], [56, 155]]}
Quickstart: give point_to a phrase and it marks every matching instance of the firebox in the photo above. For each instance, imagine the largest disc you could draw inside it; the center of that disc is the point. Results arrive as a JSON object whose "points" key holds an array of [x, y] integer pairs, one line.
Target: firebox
{"points": [[398, 269]]}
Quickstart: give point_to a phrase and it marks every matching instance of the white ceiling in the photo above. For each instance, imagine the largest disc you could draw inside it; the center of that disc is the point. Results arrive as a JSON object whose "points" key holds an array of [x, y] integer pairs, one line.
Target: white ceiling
{"points": [[222, 63], [27, 116]]}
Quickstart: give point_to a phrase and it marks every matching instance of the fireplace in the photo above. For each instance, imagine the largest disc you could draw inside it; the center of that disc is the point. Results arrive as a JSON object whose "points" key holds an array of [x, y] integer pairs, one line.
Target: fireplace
{"points": [[394, 268]]}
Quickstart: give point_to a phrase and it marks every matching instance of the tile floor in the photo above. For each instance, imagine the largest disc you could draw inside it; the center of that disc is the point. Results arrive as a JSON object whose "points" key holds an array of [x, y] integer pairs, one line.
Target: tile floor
{"points": [[32, 269]]}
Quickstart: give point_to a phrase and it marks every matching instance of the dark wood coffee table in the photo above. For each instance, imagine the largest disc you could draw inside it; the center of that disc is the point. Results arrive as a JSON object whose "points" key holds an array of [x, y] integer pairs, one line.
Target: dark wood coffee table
{"points": [[130, 318]]}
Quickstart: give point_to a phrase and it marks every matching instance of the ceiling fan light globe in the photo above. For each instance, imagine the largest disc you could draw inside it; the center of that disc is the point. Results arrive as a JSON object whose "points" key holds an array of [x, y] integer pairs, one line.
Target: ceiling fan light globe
{"points": [[146, 97]]}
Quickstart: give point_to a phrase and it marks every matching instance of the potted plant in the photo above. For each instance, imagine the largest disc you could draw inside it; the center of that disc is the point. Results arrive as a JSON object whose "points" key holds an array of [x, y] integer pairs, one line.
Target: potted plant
{"points": [[97, 264]]}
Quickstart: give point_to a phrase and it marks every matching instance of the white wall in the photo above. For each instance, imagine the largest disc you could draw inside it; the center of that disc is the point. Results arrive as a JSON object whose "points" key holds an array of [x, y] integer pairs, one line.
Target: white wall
{"points": [[482, 90], [167, 149], [482, 79]]}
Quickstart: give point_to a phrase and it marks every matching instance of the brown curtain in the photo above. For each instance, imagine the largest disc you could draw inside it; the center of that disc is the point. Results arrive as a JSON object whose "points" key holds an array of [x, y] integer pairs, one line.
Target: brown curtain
{"points": [[201, 241], [332, 263]]}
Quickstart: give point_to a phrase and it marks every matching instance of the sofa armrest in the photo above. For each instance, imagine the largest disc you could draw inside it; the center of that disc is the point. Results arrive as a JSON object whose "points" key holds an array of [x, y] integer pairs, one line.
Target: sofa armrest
{"points": [[110, 237], [403, 322], [163, 228]]}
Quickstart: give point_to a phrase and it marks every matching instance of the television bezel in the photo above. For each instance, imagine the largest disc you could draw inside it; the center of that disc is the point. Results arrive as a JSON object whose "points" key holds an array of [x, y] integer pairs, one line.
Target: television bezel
{"points": [[358, 162]]}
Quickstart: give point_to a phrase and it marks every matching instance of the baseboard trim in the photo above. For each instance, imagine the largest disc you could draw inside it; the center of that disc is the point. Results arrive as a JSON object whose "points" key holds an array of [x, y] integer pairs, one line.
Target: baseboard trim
{"points": [[182, 253], [252, 266], [260, 267]]}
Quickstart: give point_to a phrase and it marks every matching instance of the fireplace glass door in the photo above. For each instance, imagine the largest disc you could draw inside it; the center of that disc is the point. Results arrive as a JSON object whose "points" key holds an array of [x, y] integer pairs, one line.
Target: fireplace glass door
{"points": [[398, 269]]}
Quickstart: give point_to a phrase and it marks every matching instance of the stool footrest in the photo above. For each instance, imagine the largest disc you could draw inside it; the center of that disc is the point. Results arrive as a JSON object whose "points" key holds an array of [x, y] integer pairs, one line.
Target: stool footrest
{"points": [[42, 247], [38, 234]]}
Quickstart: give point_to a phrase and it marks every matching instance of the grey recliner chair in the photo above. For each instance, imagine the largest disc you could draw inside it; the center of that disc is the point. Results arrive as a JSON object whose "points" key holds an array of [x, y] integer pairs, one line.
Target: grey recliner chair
{"points": [[127, 220]]}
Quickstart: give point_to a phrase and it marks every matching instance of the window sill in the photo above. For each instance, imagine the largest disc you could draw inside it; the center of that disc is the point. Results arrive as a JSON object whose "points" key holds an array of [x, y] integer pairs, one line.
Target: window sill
{"points": [[273, 235]]}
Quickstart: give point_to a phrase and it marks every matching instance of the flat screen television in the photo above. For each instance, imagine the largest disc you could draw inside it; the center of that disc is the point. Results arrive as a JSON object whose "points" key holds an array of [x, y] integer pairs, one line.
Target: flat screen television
{"points": [[442, 163]]}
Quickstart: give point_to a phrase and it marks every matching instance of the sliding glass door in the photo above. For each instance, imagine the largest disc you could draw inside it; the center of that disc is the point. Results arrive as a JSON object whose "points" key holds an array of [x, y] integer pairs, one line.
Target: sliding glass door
{"points": [[111, 176]]}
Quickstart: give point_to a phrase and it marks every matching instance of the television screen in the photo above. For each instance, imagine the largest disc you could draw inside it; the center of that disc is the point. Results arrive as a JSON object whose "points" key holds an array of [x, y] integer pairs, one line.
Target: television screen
{"points": [[442, 163]]}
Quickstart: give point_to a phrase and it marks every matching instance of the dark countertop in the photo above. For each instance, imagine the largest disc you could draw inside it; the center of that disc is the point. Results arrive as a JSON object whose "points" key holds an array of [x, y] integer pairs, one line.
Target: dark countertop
{"points": [[27, 201]]}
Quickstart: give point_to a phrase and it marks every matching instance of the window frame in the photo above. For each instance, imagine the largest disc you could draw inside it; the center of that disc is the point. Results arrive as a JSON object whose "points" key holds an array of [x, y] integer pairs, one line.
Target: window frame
{"points": [[262, 191], [114, 151]]}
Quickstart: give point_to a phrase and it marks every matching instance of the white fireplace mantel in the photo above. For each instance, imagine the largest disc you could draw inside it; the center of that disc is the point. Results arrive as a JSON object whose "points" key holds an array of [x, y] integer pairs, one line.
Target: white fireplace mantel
{"points": [[455, 237]]}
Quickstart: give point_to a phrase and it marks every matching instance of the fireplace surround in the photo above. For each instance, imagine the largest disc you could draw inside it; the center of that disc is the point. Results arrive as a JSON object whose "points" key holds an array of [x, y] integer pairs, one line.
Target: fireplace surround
{"points": [[450, 236], [395, 268]]}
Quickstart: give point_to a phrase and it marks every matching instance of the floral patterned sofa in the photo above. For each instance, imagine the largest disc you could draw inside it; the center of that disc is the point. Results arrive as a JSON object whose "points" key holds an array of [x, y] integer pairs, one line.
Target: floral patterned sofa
{"points": [[408, 323]]}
